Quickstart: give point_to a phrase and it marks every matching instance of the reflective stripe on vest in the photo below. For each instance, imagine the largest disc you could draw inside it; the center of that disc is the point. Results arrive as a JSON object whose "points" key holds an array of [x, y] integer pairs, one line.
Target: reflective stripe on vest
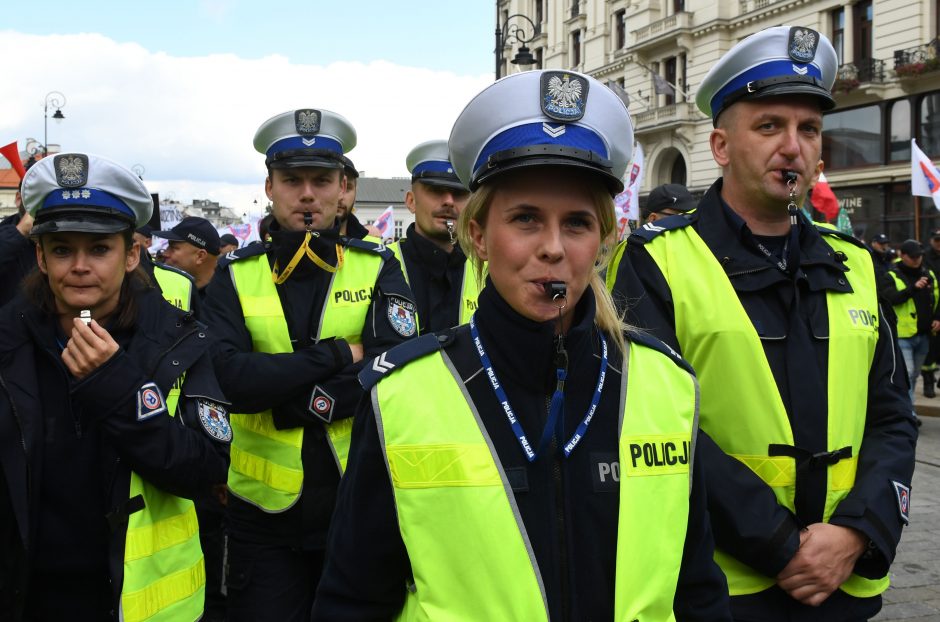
{"points": [[907, 310], [442, 465], [266, 467], [719, 340], [469, 286], [164, 572], [176, 288]]}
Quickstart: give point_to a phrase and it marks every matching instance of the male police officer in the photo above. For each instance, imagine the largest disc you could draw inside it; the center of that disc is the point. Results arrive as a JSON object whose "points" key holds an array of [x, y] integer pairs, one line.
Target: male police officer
{"points": [[439, 274], [349, 225], [293, 317], [797, 368], [194, 248]]}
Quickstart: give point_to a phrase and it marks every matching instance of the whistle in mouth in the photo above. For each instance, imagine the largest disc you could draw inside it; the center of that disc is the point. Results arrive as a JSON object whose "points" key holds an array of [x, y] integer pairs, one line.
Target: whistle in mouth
{"points": [[450, 230], [308, 219], [85, 316], [555, 289], [790, 177]]}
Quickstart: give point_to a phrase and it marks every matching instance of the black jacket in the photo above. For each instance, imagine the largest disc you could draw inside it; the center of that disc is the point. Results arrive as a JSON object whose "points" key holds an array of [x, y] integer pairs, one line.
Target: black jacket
{"points": [[103, 431], [569, 511], [925, 309], [436, 278], [284, 383], [787, 313], [17, 258]]}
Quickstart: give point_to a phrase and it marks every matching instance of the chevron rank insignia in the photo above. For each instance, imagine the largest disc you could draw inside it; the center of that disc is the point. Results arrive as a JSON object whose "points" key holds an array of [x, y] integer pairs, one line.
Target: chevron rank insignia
{"points": [[387, 362], [401, 315], [321, 404]]}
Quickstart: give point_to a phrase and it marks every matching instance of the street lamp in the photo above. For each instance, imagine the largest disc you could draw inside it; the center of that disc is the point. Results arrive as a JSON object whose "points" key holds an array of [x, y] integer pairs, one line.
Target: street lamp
{"points": [[57, 101], [507, 33], [139, 170]]}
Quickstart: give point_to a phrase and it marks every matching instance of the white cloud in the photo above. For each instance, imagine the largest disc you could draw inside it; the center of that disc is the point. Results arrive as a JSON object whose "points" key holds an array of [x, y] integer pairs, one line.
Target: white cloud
{"points": [[190, 121]]}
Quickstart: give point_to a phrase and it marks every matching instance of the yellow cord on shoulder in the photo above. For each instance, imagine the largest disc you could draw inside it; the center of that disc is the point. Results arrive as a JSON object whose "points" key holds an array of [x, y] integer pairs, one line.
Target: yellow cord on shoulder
{"points": [[305, 249]]}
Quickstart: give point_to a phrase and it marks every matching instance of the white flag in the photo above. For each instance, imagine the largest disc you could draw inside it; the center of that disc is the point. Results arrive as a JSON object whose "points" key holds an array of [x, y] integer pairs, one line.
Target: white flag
{"points": [[627, 203], [925, 178], [385, 223]]}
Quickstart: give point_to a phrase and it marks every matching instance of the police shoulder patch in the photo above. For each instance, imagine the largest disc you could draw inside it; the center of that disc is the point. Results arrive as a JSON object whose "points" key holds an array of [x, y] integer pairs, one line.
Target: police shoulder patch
{"points": [[411, 350], [903, 494], [651, 230], [214, 420], [321, 404], [402, 315], [150, 402]]}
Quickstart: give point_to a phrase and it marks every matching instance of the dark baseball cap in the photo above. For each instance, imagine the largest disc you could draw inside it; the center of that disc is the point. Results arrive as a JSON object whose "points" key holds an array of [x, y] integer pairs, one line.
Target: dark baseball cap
{"points": [[228, 238], [196, 231], [935, 234], [911, 248], [670, 196], [880, 239]]}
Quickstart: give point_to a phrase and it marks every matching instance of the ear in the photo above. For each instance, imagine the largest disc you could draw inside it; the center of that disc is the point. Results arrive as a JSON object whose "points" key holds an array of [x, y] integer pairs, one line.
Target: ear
{"points": [[40, 258], [267, 188], [132, 259], [479, 240], [819, 169], [410, 201], [653, 217], [718, 141], [201, 255], [342, 183]]}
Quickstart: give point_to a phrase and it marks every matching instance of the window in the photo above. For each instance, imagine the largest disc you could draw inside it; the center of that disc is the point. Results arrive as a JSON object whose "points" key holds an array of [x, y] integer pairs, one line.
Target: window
{"points": [[398, 229], [574, 8], [539, 15], [838, 33], [683, 65], [669, 69], [575, 49], [678, 6], [899, 147], [620, 29], [928, 139], [862, 31], [539, 57], [852, 138], [678, 173]]}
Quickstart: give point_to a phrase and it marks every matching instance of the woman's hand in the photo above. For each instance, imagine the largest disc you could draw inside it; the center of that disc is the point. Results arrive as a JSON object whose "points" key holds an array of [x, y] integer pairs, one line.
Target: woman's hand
{"points": [[89, 348]]}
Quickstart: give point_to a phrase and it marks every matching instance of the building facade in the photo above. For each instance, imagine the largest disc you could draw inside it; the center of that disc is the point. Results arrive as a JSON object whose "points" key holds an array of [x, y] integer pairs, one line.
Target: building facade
{"points": [[887, 91]]}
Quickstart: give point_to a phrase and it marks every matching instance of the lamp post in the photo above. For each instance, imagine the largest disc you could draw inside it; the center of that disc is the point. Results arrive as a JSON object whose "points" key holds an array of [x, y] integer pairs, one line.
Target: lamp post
{"points": [[139, 170], [509, 32], [57, 101]]}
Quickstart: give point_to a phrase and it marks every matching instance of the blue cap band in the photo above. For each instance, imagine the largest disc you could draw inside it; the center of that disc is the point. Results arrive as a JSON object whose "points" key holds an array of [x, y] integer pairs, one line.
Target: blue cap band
{"points": [[530, 134], [90, 197], [434, 166], [292, 143], [770, 69]]}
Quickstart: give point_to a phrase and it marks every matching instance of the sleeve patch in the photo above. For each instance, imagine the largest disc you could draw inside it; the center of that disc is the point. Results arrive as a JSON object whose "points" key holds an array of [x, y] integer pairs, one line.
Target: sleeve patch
{"points": [[401, 315], [321, 404], [150, 402], [214, 420], [903, 494]]}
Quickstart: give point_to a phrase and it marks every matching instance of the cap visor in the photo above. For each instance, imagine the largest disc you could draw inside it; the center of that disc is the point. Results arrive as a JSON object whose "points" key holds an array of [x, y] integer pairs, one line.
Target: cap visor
{"points": [[614, 184], [169, 235], [442, 182], [80, 223], [790, 89], [306, 161]]}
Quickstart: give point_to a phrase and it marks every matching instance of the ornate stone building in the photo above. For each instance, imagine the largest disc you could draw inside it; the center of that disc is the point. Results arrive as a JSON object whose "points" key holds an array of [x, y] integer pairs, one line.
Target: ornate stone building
{"points": [[888, 90]]}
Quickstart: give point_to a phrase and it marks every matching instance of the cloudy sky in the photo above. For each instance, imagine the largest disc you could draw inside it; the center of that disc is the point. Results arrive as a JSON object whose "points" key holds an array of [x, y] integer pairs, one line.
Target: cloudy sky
{"points": [[179, 87]]}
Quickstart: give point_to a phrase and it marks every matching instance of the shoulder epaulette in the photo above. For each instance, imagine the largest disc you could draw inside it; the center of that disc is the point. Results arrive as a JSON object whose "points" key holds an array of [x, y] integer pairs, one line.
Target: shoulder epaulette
{"points": [[162, 266], [366, 245], [403, 353], [650, 230], [645, 339], [253, 249], [827, 229]]}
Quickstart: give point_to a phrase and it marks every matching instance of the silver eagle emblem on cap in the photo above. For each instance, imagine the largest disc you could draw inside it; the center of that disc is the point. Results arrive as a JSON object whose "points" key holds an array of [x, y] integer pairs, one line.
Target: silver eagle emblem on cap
{"points": [[71, 170], [563, 96], [307, 122], [802, 44]]}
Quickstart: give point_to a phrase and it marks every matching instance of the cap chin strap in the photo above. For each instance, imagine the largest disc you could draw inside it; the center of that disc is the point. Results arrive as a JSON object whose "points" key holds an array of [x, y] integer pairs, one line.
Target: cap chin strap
{"points": [[756, 86]]}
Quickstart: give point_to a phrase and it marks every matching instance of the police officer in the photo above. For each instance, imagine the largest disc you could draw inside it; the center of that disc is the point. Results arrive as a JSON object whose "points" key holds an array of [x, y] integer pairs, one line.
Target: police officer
{"points": [[194, 247], [780, 320], [349, 225], [465, 499], [294, 317], [110, 415], [436, 269], [668, 200], [17, 256], [911, 288], [882, 253]]}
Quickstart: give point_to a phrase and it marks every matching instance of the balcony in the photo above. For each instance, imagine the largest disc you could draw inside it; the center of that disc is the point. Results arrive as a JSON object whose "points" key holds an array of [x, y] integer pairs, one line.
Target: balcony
{"points": [[667, 27], [917, 60], [665, 116], [852, 75]]}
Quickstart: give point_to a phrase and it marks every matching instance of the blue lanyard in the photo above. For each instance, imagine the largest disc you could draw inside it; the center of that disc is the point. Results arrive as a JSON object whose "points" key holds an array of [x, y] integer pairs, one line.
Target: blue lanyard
{"points": [[557, 403]]}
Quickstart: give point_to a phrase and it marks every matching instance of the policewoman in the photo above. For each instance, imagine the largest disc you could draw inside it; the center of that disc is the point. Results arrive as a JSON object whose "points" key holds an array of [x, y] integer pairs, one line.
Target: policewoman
{"points": [[111, 418], [799, 374], [434, 265], [535, 464], [294, 319]]}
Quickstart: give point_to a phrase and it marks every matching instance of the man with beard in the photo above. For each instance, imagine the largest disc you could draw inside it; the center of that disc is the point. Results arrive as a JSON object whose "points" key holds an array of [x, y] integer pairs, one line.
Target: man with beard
{"points": [[349, 225], [435, 267]]}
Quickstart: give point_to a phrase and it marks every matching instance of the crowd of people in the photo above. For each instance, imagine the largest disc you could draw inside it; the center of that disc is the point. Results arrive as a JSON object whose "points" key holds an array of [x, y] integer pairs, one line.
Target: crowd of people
{"points": [[505, 415]]}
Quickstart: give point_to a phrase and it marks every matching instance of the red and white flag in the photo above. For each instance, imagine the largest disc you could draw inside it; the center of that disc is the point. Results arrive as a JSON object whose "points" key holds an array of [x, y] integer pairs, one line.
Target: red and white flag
{"points": [[627, 203], [385, 223], [824, 200], [925, 178]]}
